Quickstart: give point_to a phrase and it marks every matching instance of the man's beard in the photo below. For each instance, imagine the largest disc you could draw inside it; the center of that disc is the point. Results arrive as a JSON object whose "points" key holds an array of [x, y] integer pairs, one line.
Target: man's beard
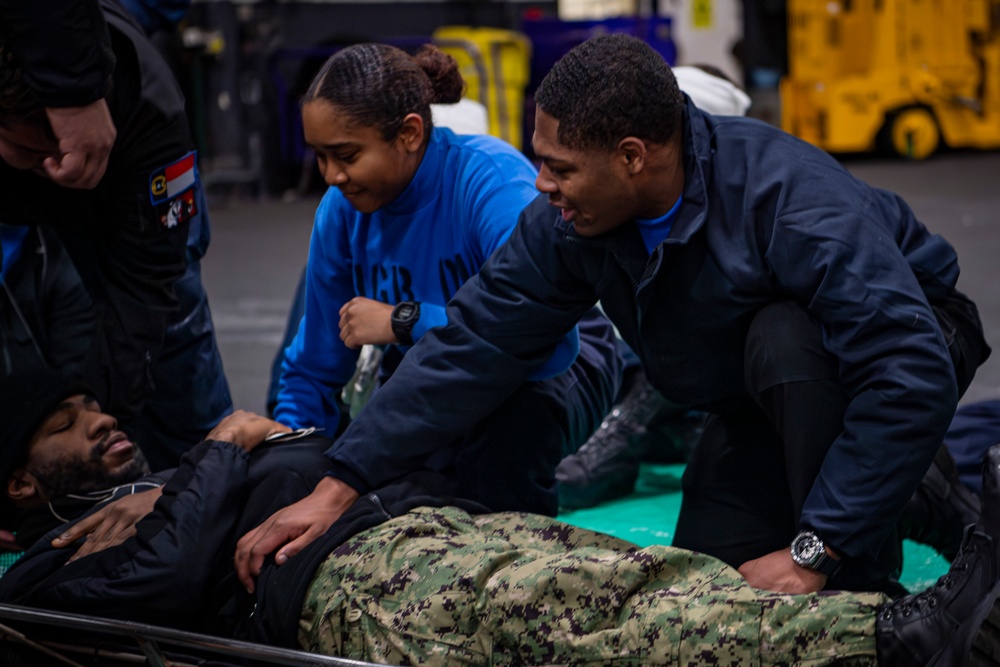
{"points": [[82, 474]]}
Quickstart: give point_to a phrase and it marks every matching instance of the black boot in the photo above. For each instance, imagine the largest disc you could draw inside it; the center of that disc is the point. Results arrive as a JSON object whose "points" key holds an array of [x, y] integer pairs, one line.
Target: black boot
{"points": [[940, 509], [956, 622], [607, 465]]}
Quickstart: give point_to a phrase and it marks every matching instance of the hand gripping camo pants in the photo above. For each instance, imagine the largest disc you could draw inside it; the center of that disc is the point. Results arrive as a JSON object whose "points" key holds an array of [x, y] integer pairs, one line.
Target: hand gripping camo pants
{"points": [[442, 587]]}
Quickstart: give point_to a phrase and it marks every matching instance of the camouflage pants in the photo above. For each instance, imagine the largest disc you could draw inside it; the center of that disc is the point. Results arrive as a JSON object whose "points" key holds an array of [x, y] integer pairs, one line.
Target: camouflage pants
{"points": [[441, 587]]}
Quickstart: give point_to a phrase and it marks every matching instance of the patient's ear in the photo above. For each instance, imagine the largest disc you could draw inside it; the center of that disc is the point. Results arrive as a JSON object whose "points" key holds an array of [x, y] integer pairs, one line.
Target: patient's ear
{"points": [[22, 487]]}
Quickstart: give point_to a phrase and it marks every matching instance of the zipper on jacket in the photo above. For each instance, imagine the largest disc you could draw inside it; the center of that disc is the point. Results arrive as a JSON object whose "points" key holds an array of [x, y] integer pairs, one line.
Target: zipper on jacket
{"points": [[618, 258], [377, 502], [628, 272]]}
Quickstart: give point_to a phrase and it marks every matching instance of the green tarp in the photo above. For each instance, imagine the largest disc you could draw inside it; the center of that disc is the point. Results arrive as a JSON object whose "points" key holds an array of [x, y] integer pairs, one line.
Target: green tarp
{"points": [[649, 514]]}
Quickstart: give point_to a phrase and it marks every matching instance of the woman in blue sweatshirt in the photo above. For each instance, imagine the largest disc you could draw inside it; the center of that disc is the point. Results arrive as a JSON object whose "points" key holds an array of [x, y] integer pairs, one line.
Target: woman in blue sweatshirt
{"points": [[413, 211]]}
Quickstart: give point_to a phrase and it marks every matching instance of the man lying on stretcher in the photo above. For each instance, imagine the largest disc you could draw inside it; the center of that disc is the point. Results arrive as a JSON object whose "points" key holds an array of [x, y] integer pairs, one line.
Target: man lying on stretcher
{"points": [[410, 574]]}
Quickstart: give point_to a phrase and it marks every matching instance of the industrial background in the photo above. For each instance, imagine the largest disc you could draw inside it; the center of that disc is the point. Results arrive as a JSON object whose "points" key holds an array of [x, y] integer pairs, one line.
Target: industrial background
{"points": [[905, 92]]}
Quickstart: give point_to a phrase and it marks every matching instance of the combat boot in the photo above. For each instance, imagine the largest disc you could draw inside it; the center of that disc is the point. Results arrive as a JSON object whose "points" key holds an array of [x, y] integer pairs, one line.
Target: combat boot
{"points": [[940, 508], [956, 622], [607, 465]]}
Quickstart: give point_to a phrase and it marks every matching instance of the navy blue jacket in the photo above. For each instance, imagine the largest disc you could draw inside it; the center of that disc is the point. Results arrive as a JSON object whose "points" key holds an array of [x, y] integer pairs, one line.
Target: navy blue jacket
{"points": [[64, 47], [46, 315], [765, 217]]}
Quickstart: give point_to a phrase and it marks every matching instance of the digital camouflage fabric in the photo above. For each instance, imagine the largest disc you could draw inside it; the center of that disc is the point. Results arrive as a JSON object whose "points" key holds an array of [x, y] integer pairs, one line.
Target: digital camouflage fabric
{"points": [[442, 587]]}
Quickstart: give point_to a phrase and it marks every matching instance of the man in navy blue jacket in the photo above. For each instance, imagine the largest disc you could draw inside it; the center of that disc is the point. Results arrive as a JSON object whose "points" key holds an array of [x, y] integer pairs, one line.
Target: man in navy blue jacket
{"points": [[757, 280]]}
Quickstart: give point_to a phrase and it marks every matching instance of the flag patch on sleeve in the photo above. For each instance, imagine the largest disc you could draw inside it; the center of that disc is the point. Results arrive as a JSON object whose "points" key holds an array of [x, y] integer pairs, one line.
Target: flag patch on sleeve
{"points": [[168, 182], [180, 209]]}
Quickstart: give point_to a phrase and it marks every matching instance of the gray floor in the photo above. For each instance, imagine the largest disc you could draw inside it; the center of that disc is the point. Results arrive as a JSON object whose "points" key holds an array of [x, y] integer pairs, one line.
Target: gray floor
{"points": [[259, 248]]}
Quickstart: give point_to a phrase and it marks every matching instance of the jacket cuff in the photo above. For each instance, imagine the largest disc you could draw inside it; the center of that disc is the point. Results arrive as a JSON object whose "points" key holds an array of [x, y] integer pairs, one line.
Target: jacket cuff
{"points": [[352, 480]]}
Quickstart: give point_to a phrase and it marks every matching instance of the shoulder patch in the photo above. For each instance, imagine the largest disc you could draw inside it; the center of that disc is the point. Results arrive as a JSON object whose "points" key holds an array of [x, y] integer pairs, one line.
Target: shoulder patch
{"points": [[168, 182], [177, 210]]}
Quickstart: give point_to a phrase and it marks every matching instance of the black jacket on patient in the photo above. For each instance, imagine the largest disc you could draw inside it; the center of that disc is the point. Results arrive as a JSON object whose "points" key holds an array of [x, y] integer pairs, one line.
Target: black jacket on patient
{"points": [[177, 571]]}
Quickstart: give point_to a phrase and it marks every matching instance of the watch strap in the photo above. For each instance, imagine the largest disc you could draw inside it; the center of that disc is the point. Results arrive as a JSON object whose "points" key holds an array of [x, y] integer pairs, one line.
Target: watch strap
{"points": [[821, 561], [825, 564]]}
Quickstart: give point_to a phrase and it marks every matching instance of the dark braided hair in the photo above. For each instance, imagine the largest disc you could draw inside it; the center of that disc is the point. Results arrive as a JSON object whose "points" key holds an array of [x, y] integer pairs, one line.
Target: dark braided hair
{"points": [[608, 88], [378, 85]]}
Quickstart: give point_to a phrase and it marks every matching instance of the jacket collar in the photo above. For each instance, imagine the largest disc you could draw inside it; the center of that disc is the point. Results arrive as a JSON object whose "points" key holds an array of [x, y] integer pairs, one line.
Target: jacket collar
{"points": [[698, 156]]}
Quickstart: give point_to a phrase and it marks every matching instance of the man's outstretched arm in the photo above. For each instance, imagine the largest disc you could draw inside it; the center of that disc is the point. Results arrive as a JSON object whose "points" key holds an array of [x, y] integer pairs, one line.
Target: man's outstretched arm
{"points": [[503, 325]]}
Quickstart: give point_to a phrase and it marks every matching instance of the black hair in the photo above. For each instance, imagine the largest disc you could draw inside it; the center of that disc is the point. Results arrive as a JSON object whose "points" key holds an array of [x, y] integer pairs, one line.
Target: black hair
{"points": [[377, 85], [608, 88]]}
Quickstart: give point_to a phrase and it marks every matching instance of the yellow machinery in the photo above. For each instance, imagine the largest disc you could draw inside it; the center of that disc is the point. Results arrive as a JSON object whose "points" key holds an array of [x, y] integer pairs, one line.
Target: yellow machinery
{"points": [[495, 66], [907, 75]]}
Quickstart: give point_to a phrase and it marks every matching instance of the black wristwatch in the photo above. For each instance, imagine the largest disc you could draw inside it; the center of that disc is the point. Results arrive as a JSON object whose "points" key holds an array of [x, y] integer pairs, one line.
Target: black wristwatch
{"points": [[809, 551], [404, 317]]}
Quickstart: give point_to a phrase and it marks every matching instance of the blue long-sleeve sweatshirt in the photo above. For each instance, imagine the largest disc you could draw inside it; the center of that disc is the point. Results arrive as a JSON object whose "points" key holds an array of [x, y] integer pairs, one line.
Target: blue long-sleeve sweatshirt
{"points": [[461, 205]]}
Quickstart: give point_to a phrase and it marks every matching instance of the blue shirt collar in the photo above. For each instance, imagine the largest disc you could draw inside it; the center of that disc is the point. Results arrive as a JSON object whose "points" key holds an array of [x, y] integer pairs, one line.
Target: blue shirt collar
{"points": [[426, 181]]}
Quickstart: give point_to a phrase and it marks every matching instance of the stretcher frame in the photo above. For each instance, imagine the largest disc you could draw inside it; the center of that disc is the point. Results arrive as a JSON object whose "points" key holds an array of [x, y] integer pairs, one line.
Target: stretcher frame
{"points": [[77, 640]]}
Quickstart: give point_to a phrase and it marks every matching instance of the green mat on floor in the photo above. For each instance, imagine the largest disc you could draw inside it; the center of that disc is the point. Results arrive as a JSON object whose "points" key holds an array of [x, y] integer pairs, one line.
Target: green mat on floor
{"points": [[649, 514]]}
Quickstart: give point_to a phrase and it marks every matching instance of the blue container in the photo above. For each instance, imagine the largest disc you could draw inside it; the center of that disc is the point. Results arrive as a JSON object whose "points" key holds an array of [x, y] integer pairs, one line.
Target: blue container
{"points": [[551, 38]]}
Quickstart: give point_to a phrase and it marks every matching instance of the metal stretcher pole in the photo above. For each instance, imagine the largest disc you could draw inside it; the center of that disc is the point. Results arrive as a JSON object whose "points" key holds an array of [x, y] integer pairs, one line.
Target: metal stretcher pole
{"points": [[19, 636], [156, 638]]}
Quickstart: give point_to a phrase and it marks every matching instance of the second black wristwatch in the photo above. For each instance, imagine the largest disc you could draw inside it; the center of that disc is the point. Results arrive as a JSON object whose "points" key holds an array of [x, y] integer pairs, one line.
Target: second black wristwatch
{"points": [[404, 317], [809, 551]]}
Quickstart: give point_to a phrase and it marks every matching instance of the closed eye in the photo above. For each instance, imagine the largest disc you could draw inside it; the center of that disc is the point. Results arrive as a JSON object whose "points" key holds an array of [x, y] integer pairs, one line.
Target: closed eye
{"points": [[61, 426], [560, 171]]}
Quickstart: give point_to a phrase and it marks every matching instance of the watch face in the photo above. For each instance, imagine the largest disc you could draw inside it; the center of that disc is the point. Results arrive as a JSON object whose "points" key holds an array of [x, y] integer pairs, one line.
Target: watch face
{"points": [[405, 311], [807, 548]]}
